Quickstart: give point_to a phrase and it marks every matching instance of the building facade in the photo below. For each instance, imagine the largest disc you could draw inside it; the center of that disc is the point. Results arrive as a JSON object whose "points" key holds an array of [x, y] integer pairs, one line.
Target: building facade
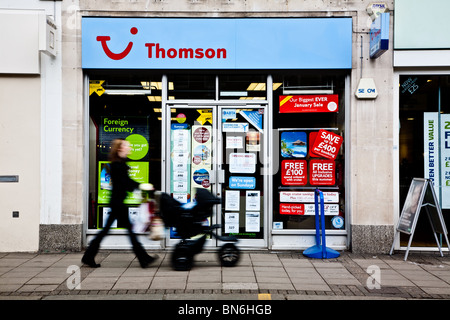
{"points": [[232, 96]]}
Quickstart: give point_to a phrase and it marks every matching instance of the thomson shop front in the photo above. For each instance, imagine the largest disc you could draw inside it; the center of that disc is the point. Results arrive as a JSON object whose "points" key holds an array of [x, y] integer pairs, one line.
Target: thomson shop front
{"points": [[253, 110]]}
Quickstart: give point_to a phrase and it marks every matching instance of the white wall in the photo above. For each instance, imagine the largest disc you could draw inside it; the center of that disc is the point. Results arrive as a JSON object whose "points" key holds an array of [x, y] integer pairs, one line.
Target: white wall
{"points": [[36, 102], [20, 149]]}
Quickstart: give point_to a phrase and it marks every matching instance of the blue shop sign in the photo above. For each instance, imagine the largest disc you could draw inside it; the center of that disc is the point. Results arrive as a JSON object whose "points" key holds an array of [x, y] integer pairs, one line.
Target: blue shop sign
{"points": [[379, 36], [216, 43]]}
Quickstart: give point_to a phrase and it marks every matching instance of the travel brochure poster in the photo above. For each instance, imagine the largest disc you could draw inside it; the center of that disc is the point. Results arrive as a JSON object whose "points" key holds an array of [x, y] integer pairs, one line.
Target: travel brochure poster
{"points": [[180, 145], [138, 172], [201, 157]]}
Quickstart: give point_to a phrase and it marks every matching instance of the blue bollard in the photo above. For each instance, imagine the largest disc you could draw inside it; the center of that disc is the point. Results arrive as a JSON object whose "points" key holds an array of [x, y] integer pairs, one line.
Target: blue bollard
{"points": [[320, 251]]}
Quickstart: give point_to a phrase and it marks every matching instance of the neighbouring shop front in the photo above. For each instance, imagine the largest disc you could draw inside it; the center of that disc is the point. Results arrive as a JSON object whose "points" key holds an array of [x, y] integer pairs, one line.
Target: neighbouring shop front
{"points": [[422, 77], [253, 110]]}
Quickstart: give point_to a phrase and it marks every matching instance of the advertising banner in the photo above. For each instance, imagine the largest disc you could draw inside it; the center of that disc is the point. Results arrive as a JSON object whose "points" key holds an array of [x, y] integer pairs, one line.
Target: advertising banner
{"points": [[307, 196], [307, 209], [138, 172], [293, 172], [322, 172], [327, 144], [437, 154], [309, 103], [201, 157], [445, 160], [180, 144]]}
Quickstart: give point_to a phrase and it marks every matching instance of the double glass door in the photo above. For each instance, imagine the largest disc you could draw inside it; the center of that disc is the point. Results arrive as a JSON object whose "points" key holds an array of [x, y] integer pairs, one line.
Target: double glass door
{"points": [[222, 149]]}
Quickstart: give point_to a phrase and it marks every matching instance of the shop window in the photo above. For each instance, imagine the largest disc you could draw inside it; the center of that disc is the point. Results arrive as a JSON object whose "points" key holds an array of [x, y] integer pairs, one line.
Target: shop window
{"points": [[127, 107], [242, 87], [424, 136], [308, 108], [192, 86]]}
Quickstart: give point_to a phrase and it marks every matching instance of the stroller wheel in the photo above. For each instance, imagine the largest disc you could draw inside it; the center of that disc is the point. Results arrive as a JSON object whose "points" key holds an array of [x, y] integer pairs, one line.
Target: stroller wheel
{"points": [[182, 258], [229, 255]]}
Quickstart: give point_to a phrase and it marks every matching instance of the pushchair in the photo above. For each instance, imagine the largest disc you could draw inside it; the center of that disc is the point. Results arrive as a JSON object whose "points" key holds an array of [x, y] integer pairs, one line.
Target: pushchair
{"points": [[188, 219]]}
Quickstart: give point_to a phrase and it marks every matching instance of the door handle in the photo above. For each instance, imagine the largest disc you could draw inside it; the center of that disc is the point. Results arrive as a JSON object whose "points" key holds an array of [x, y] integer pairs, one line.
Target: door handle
{"points": [[221, 176]]}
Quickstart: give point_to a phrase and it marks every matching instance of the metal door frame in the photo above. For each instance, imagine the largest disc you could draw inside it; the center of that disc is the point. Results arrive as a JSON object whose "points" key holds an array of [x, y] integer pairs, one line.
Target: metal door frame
{"points": [[217, 107], [256, 243]]}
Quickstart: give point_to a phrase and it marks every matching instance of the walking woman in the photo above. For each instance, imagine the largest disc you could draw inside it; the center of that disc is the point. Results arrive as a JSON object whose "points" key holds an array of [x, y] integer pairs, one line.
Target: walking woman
{"points": [[121, 184]]}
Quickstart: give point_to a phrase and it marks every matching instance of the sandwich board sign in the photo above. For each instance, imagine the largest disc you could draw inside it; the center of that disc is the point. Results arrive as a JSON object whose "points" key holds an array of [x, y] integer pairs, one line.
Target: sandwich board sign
{"points": [[421, 194]]}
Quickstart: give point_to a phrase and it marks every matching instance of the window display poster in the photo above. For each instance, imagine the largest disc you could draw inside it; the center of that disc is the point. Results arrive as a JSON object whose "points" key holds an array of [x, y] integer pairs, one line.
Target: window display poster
{"points": [[232, 199], [252, 222], [445, 156], [180, 144], [294, 144], [327, 144], [312, 138], [237, 182], [436, 168], [252, 141], [133, 129], [231, 222], [322, 172], [308, 196], [105, 214], [201, 157], [234, 142], [431, 144], [254, 117], [253, 200], [307, 209], [309, 103], [293, 172], [242, 162], [138, 172]]}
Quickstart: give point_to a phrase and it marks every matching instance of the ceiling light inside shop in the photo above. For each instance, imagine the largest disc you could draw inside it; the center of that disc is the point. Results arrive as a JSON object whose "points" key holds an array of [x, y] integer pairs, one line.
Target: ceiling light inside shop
{"points": [[173, 110], [233, 93], [158, 98], [261, 86], [127, 92]]}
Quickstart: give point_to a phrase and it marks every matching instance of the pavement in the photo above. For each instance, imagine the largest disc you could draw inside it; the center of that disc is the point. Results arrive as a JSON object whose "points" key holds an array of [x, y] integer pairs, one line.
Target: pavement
{"points": [[259, 275]]}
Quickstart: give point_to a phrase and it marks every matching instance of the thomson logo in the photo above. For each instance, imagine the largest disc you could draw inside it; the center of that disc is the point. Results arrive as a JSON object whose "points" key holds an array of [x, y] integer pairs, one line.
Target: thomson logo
{"points": [[157, 51]]}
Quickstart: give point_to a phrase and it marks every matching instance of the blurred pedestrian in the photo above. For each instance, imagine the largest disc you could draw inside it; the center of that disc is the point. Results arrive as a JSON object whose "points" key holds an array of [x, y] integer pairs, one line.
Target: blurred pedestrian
{"points": [[122, 183]]}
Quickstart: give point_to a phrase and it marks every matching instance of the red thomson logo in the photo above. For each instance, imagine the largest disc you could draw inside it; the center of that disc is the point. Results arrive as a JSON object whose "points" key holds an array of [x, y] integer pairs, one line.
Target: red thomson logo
{"points": [[112, 55], [155, 50]]}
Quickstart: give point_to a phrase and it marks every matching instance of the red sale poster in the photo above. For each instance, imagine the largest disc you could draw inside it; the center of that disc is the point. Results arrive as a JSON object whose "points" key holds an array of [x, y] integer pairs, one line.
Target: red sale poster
{"points": [[312, 139], [293, 172], [322, 172], [327, 144], [292, 208], [309, 103]]}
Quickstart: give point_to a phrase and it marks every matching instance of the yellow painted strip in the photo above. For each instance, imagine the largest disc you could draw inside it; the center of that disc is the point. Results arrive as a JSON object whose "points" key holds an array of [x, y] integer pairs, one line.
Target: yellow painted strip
{"points": [[285, 100], [264, 296]]}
